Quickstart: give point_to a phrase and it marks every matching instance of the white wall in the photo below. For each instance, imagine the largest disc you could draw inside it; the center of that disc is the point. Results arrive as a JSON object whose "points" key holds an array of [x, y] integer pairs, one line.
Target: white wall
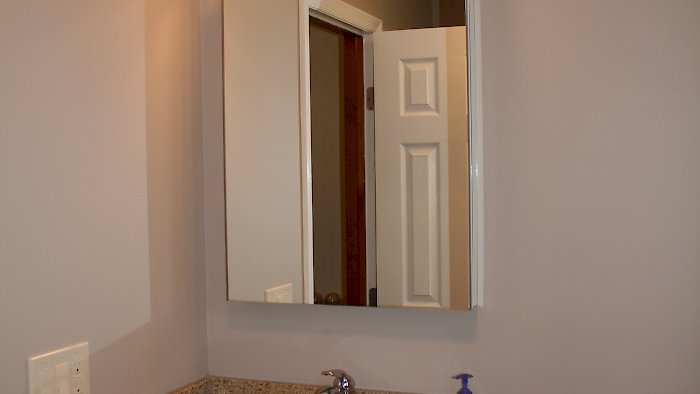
{"points": [[100, 163], [592, 221], [264, 209]]}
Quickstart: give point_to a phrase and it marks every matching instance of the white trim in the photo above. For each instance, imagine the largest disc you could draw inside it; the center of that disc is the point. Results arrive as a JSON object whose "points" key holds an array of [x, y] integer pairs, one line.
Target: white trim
{"points": [[476, 154], [346, 13], [335, 22], [366, 24], [307, 250]]}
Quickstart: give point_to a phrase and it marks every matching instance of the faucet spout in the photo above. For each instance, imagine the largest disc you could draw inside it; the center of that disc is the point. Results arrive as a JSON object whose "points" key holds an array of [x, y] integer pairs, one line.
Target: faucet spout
{"points": [[343, 383]]}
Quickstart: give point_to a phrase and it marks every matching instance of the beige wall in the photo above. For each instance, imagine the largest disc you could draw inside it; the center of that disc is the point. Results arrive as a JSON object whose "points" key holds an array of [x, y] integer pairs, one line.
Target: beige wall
{"points": [[325, 55], [592, 221], [458, 165], [100, 218]]}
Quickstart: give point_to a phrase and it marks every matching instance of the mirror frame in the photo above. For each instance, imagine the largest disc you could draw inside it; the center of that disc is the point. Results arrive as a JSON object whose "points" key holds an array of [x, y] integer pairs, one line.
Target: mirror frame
{"points": [[476, 151]]}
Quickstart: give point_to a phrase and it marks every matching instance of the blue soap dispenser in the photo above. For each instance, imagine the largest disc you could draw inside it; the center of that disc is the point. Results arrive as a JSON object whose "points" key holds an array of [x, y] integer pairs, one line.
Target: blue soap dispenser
{"points": [[465, 383]]}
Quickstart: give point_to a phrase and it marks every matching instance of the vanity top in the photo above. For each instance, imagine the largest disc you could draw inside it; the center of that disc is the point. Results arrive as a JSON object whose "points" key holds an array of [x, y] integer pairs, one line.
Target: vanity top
{"points": [[220, 385]]}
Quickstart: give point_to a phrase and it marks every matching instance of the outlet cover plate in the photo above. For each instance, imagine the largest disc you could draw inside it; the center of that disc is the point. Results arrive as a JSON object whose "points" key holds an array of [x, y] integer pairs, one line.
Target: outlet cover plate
{"points": [[63, 371], [280, 294]]}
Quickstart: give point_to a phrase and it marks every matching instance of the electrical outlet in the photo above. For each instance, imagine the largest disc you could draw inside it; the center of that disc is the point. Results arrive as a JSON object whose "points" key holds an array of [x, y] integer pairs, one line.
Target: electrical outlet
{"points": [[280, 294], [64, 371]]}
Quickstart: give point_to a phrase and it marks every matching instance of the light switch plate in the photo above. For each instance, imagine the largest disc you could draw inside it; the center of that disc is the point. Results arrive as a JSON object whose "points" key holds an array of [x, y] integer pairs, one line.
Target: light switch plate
{"points": [[63, 371], [280, 294]]}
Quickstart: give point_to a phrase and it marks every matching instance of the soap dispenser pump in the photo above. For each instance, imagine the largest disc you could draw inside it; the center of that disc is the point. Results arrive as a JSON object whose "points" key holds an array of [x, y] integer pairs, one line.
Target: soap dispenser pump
{"points": [[465, 383]]}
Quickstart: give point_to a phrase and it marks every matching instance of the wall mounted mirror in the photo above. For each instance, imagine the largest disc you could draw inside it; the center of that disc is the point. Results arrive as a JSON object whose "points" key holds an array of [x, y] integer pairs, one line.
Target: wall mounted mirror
{"points": [[362, 196]]}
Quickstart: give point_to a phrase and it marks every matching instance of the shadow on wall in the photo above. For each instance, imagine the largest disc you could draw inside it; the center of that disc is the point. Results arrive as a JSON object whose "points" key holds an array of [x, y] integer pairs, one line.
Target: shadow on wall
{"points": [[170, 350]]}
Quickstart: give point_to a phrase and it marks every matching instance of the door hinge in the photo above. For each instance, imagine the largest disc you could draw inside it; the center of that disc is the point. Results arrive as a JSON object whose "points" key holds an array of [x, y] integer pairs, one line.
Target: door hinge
{"points": [[370, 98]]}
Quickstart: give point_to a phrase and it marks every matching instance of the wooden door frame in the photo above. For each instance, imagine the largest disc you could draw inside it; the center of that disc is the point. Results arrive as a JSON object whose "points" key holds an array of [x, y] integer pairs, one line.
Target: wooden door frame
{"points": [[352, 159], [355, 269]]}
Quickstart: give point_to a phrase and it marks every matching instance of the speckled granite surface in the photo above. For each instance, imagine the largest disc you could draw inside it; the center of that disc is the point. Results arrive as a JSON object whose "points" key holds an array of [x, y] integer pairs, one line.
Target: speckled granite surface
{"points": [[218, 385]]}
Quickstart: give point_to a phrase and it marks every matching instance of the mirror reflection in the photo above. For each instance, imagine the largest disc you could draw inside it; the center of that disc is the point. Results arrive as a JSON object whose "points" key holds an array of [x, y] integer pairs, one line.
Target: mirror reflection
{"points": [[386, 169]]}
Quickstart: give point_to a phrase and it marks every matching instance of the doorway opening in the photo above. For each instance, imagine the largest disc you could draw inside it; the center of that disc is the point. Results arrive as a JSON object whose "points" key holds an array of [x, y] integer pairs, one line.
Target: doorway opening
{"points": [[338, 164]]}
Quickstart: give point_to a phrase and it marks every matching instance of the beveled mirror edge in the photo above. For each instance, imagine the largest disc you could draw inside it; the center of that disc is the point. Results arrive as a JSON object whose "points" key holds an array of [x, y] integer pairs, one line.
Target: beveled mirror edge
{"points": [[476, 168]]}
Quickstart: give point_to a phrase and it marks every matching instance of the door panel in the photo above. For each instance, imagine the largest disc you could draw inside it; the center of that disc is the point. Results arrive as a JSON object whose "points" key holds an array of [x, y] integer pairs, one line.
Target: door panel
{"points": [[412, 163]]}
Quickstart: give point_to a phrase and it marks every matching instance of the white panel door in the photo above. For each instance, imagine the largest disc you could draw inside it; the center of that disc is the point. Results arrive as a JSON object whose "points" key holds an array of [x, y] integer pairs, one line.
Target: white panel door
{"points": [[412, 135]]}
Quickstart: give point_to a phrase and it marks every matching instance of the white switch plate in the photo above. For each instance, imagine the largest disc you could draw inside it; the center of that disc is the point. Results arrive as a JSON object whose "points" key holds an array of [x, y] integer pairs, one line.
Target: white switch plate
{"points": [[280, 294], [63, 371]]}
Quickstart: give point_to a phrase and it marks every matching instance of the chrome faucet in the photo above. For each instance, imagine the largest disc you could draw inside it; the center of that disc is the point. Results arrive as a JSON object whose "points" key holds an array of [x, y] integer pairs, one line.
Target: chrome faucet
{"points": [[343, 383]]}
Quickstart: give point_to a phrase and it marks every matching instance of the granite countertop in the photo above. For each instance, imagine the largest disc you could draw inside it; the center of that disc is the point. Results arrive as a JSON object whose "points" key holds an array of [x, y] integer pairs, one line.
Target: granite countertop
{"points": [[219, 385]]}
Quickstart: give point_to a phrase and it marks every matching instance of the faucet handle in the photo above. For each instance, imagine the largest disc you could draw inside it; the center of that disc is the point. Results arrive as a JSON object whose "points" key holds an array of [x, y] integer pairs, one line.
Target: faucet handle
{"points": [[334, 372], [343, 382]]}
